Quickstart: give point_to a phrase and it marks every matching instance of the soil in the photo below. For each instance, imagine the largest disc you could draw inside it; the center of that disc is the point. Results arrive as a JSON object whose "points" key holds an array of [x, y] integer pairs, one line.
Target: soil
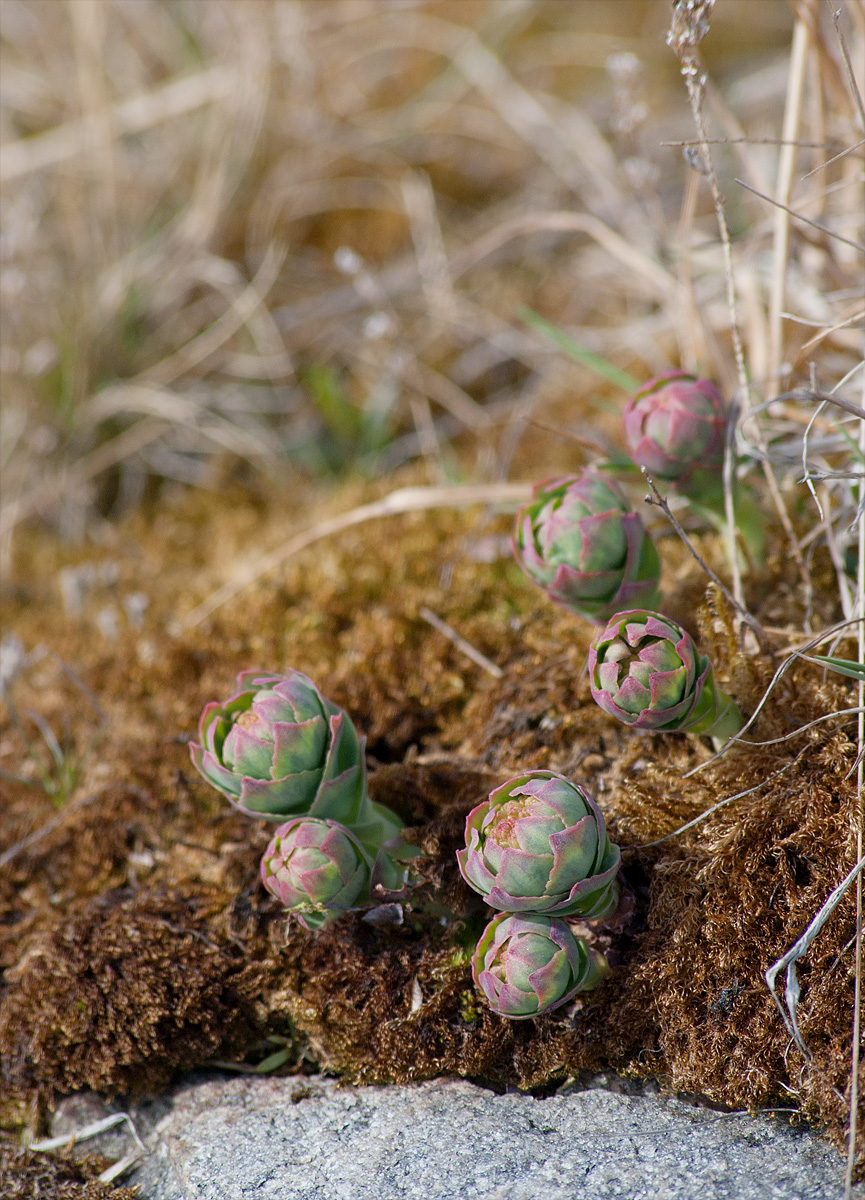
{"points": [[136, 940]]}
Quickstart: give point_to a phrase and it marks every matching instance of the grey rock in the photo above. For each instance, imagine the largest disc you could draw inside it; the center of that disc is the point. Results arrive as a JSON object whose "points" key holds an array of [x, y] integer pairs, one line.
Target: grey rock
{"points": [[294, 1139]]}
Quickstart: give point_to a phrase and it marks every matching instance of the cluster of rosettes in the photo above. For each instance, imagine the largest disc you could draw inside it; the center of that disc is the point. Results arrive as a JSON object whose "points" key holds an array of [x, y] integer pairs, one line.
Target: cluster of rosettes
{"points": [[538, 851], [578, 540], [278, 748]]}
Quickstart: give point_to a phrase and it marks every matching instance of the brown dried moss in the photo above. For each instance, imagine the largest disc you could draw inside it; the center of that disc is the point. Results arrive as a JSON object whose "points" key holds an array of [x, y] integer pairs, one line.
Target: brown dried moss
{"points": [[136, 939], [25, 1175]]}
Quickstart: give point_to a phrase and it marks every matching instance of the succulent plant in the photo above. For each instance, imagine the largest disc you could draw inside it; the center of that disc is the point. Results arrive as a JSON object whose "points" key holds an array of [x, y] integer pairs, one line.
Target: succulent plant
{"points": [[646, 670], [578, 540], [529, 963], [278, 748], [676, 427], [539, 844], [316, 868]]}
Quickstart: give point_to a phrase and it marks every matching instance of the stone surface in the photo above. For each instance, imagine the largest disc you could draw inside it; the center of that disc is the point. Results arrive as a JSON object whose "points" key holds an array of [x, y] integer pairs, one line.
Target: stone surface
{"points": [[299, 1139]]}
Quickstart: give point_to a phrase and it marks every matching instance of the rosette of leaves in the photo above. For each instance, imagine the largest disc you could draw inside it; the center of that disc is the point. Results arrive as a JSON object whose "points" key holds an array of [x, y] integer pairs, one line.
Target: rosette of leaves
{"points": [[540, 844], [645, 670], [579, 541], [317, 869], [529, 963], [676, 427], [278, 748]]}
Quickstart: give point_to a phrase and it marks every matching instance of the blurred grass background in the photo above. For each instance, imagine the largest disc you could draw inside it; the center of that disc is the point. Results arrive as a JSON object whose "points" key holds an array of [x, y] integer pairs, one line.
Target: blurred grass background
{"points": [[261, 243]]}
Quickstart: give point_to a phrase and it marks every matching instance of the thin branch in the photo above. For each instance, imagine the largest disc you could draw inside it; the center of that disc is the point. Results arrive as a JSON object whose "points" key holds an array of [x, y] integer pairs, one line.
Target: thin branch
{"points": [[690, 24], [720, 804], [841, 712], [835, 158], [763, 141], [824, 333], [785, 666], [860, 838], [801, 394], [566, 433], [816, 224], [751, 621], [851, 78]]}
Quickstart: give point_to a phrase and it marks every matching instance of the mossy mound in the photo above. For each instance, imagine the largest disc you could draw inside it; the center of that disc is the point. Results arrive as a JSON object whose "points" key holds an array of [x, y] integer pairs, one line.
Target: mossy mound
{"points": [[135, 936]]}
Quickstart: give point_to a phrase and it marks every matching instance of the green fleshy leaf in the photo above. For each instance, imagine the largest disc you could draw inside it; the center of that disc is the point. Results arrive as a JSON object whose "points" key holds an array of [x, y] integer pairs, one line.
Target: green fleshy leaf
{"points": [[342, 799], [649, 566], [750, 519], [298, 747], [345, 751]]}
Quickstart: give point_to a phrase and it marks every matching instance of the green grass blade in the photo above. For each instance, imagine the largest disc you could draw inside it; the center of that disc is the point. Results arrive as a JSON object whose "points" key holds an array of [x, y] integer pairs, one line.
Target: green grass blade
{"points": [[273, 1062], [581, 354], [844, 666]]}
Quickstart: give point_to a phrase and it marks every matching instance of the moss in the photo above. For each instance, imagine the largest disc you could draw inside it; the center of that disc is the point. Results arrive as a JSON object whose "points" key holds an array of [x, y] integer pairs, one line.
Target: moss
{"points": [[24, 1174], [135, 937]]}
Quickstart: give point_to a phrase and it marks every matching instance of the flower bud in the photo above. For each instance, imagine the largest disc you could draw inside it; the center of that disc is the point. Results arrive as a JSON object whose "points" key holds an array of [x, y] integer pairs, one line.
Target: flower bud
{"points": [[676, 427], [645, 670]]}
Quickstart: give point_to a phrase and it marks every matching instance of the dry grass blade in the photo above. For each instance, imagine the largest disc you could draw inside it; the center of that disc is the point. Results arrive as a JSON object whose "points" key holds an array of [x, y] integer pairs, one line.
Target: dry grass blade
{"points": [[830, 233], [207, 343], [855, 1049], [746, 617], [85, 1132], [657, 277], [824, 333], [44, 830], [792, 992], [786, 665], [404, 500], [689, 26], [174, 99], [460, 642], [122, 447], [786, 164]]}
